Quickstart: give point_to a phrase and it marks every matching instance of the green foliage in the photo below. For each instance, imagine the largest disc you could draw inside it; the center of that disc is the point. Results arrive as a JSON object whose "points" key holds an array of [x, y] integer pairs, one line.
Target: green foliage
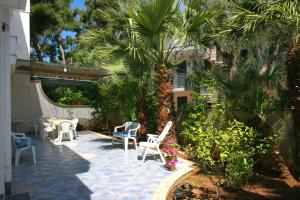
{"points": [[72, 97], [116, 101], [222, 147], [151, 112], [48, 19], [239, 169], [70, 92]]}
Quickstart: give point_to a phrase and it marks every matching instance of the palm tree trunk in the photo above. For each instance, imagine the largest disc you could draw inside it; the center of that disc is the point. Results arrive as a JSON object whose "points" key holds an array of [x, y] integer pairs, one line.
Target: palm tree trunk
{"points": [[280, 164], [234, 67], [142, 118], [293, 79], [165, 100]]}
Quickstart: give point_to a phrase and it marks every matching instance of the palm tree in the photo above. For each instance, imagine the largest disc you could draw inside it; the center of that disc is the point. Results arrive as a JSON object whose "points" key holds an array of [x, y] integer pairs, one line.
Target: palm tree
{"points": [[151, 32], [276, 22]]}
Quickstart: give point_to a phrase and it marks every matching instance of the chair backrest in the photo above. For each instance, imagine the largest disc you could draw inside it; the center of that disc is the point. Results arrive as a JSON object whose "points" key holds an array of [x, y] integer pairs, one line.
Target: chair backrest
{"points": [[165, 131], [133, 126], [75, 122], [126, 124], [65, 126], [14, 139]]}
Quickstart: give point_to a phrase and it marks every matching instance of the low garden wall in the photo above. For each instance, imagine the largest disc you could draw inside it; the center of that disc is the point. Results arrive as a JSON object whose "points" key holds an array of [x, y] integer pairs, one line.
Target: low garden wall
{"points": [[51, 109]]}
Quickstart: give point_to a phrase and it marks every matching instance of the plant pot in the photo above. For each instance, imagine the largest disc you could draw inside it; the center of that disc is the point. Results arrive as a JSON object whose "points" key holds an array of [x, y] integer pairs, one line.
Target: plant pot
{"points": [[170, 166]]}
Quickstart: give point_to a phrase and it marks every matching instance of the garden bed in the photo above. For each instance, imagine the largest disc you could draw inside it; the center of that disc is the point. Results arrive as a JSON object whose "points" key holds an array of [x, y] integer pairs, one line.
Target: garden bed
{"points": [[265, 184]]}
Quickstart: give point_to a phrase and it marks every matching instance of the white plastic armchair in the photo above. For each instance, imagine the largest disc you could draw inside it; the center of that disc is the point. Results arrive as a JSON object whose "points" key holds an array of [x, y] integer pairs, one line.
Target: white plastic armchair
{"points": [[21, 143], [125, 125], [130, 132], [34, 124], [65, 127], [75, 122], [154, 142], [47, 128]]}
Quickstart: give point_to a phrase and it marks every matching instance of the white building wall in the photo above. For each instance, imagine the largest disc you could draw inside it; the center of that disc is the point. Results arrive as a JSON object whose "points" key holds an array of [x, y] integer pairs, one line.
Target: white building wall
{"points": [[20, 32], [11, 30]]}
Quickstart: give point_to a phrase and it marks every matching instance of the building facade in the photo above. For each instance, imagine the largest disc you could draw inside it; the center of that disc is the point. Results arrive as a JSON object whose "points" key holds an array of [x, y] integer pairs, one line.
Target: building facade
{"points": [[14, 44], [192, 61]]}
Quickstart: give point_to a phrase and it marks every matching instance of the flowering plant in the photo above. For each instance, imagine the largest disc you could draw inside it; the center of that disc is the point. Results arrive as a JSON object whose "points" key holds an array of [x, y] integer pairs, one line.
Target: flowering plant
{"points": [[169, 151]]}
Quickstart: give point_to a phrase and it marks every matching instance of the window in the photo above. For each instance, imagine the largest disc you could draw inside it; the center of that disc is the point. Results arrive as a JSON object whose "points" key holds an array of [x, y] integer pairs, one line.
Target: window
{"points": [[181, 68], [181, 101]]}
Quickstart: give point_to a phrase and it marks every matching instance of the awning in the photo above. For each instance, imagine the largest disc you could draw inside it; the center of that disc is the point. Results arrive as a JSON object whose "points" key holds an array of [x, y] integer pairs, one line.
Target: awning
{"points": [[49, 70], [55, 82]]}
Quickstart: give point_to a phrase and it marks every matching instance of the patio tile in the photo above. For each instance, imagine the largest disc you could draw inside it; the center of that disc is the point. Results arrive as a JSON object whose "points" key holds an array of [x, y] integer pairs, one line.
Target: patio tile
{"points": [[89, 169]]}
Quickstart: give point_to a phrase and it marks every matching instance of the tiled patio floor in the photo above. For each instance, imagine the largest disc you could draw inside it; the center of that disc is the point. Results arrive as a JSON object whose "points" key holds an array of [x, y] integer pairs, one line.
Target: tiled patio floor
{"points": [[89, 169]]}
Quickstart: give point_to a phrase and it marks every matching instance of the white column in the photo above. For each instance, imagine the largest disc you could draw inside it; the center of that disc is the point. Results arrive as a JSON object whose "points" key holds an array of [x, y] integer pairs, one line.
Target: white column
{"points": [[7, 100], [2, 107], [5, 95]]}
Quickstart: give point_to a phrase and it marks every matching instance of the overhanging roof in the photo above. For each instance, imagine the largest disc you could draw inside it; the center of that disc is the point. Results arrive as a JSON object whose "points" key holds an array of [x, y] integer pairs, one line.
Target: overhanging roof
{"points": [[18, 4], [41, 69]]}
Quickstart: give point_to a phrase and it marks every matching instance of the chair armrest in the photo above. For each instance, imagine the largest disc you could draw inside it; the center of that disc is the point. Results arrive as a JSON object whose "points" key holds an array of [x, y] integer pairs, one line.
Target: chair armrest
{"points": [[153, 135], [20, 135], [132, 130], [28, 141], [116, 128]]}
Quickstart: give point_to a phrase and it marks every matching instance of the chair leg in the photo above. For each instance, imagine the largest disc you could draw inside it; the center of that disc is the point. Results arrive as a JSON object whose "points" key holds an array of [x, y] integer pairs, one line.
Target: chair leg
{"points": [[160, 154], [33, 154], [71, 136], [75, 133], [135, 144], [36, 131], [145, 151], [17, 157], [60, 138], [126, 144]]}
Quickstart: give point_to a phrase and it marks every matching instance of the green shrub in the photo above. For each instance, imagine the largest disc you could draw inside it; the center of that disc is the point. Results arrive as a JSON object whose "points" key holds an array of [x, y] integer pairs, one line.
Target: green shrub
{"points": [[238, 169], [72, 97], [221, 147]]}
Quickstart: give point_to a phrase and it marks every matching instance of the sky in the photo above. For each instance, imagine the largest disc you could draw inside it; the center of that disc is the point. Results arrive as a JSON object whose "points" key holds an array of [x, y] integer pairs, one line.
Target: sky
{"points": [[76, 4]]}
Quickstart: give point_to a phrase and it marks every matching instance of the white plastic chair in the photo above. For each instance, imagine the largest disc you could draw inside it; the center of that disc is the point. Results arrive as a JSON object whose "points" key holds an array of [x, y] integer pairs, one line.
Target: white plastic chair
{"points": [[21, 143], [65, 127], [154, 142], [33, 124], [47, 128], [130, 132], [75, 122]]}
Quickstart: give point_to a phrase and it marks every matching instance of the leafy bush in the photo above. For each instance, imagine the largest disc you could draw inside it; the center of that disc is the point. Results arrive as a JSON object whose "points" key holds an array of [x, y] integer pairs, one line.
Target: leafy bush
{"points": [[222, 147], [72, 97]]}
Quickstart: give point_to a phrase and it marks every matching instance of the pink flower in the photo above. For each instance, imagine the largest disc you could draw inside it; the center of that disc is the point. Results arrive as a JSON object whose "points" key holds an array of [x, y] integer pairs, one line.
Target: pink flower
{"points": [[173, 162]]}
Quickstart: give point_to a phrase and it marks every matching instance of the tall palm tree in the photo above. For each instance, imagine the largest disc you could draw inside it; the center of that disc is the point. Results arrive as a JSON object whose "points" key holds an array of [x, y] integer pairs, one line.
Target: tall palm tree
{"points": [[277, 22], [151, 32]]}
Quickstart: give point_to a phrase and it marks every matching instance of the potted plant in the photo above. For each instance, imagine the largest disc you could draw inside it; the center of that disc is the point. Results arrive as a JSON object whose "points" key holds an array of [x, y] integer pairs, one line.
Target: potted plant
{"points": [[169, 151]]}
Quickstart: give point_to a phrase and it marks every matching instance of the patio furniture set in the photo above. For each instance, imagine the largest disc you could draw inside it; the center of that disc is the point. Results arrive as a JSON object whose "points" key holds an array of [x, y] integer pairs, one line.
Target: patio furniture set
{"points": [[130, 132], [60, 129], [67, 129]]}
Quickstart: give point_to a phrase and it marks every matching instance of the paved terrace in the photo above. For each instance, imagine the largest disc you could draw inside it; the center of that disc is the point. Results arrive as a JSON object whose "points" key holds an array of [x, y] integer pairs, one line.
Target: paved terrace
{"points": [[92, 169]]}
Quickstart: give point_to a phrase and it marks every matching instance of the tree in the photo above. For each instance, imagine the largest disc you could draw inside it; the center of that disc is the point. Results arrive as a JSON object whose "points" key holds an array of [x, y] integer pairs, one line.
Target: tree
{"points": [[275, 24], [150, 32], [48, 20]]}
